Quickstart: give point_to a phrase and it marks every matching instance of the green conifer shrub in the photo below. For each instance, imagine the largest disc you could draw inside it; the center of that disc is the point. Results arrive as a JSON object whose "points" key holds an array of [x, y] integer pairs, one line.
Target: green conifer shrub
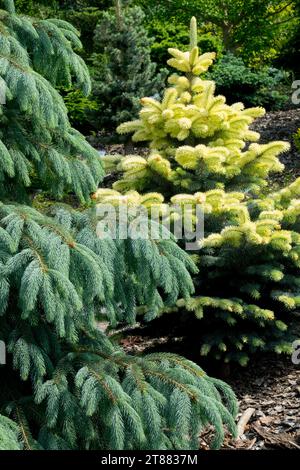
{"points": [[297, 139], [123, 70], [203, 152], [263, 86], [9, 434], [65, 385]]}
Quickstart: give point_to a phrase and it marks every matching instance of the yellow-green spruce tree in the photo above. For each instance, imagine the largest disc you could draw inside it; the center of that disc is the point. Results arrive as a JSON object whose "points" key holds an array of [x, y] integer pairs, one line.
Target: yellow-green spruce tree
{"points": [[64, 384], [203, 152]]}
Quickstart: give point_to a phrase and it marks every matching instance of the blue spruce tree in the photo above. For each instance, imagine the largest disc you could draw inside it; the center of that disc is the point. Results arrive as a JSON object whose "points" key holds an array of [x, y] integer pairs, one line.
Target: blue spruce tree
{"points": [[65, 385]]}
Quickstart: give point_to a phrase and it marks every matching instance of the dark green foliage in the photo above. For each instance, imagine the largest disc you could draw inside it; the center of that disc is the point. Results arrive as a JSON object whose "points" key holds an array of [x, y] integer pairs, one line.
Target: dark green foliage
{"points": [[263, 86], [37, 8], [164, 34], [123, 71], [85, 20], [65, 385], [289, 54], [35, 134]]}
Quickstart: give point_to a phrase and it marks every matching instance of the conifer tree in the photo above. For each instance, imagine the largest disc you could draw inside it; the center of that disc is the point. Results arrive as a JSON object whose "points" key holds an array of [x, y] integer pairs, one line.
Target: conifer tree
{"points": [[203, 152], [9, 434], [123, 70], [65, 385]]}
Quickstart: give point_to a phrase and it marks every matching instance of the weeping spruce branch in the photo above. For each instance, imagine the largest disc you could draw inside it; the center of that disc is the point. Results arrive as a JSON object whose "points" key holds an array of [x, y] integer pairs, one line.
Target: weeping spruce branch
{"points": [[65, 385]]}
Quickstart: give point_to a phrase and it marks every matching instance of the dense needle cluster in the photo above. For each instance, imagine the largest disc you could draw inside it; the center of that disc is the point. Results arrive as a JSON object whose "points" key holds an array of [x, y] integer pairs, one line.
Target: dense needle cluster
{"points": [[122, 68]]}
